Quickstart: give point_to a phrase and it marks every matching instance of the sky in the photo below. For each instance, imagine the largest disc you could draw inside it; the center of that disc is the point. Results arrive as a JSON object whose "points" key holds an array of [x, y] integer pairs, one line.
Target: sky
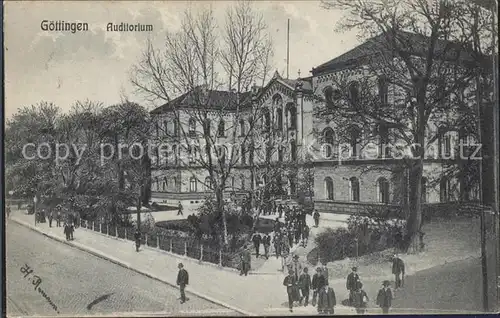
{"points": [[64, 67]]}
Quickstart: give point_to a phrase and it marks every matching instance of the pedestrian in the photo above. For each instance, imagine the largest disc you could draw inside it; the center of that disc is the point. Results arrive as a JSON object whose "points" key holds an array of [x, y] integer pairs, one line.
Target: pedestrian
{"points": [[296, 266], [398, 269], [137, 238], [280, 211], [246, 259], [327, 300], [384, 297], [316, 218], [298, 232], [352, 278], [51, 216], [324, 272], [7, 209], [58, 217], [277, 225], [71, 231], [182, 281], [67, 231], [290, 237], [266, 240], [256, 239], [305, 235], [290, 282], [318, 282], [277, 244], [180, 209], [360, 298], [305, 286]]}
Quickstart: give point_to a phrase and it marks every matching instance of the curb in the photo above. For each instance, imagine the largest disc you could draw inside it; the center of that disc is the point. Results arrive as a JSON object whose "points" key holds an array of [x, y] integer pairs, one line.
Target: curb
{"points": [[181, 257], [126, 265]]}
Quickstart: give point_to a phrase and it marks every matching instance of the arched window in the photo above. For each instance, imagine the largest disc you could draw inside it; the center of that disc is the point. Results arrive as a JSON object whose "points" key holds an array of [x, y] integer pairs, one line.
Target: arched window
{"points": [[354, 189], [258, 181], [208, 184], [176, 184], [192, 127], [192, 184], [293, 150], [166, 131], [383, 190], [242, 179], [354, 138], [207, 128], [277, 100], [383, 90], [280, 153], [243, 155], [444, 189], [222, 128], [222, 153], [328, 92], [293, 186], [328, 142], [279, 118], [354, 92], [242, 127], [176, 127], [329, 188], [174, 153], [424, 190], [292, 116], [157, 184], [383, 133], [267, 120]]}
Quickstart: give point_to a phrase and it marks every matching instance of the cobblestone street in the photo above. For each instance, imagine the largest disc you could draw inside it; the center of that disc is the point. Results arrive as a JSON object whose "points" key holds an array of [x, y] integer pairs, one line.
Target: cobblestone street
{"points": [[82, 284]]}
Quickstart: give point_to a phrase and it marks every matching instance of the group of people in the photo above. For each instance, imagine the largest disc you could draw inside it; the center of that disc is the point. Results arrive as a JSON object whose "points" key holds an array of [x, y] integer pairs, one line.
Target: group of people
{"points": [[299, 284]]}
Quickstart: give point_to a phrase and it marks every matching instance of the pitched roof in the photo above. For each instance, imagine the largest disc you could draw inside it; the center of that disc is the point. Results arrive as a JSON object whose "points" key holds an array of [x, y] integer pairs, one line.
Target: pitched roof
{"points": [[415, 44], [215, 100]]}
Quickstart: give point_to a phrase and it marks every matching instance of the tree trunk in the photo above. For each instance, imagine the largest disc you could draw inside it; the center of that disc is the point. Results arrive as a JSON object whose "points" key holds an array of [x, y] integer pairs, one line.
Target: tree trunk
{"points": [[414, 220], [139, 207], [219, 195]]}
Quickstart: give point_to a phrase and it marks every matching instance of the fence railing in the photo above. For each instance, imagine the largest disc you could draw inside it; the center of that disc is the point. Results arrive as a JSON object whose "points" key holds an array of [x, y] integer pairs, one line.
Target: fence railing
{"points": [[169, 243]]}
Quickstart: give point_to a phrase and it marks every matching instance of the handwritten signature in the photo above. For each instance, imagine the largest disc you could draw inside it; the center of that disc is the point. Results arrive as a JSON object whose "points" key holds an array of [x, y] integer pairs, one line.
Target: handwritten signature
{"points": [[37, 281]]}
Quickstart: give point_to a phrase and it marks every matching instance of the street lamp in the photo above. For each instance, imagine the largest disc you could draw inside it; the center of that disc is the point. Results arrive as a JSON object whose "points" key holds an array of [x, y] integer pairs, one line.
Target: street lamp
{"points": [[34, 207]]}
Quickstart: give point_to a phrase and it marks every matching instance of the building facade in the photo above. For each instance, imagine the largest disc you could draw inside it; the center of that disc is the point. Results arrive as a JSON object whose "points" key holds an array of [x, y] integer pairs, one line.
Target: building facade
{"points": [[288, 112]]}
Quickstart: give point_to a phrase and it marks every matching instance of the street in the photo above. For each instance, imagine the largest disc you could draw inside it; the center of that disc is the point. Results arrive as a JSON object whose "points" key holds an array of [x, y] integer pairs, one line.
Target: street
{"points": [[82, 284]]}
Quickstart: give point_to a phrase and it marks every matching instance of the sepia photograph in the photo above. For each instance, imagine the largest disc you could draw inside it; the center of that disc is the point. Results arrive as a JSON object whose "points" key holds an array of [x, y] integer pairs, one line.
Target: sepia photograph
{"points": [[250, 158]]}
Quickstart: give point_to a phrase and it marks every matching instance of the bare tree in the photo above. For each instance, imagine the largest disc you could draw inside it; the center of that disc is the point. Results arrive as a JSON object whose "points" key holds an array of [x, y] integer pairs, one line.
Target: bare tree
{"points": [[421, 57], [188, 68]]}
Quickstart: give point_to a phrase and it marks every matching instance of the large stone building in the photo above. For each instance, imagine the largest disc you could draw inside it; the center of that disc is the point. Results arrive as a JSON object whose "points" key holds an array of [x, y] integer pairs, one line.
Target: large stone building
{"points": [[342, 184]]}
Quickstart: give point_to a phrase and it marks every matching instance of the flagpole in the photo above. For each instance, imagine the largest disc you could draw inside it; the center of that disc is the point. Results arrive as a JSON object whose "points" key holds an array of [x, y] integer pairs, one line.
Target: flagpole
{"points": [[287, 48]]}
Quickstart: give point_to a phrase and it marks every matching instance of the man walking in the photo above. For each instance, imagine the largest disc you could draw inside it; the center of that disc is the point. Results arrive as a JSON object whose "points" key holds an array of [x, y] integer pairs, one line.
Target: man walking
{"points": [[182, 281], [316, 218], [245, 262], [398, 269], [305, 286], [327, 301], [277, 244], [58, 217], [384, 297], [296, 267], [51, 216], [256, 243], [318, 282], [351, 283], [137, 238], [180, 209], [290, 282], [280, 211], [305, 235], [266, 240], [324, 272], [67, 231]]}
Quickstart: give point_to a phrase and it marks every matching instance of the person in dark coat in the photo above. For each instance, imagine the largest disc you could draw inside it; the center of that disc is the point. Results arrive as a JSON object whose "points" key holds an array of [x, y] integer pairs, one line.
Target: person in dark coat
{"points": [[182, 281], [51, 216], [318, 282], [245, 262], [290, 282], [305, 286], [280, 211], [398, 269], [326, 300], [256, 239], [296, 266], [58, 217], [266, 240], [179, 212], [290, 237], [67, 230], [324, 272], [137, 238], [384, 297], [360, 298], [277, 244], [352, 279], [305, 235], [316, 218]]}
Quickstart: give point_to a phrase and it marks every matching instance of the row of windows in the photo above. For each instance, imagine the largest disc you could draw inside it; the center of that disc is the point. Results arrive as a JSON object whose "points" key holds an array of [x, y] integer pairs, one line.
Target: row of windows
{"points": [[354, 195], [332, 95]]}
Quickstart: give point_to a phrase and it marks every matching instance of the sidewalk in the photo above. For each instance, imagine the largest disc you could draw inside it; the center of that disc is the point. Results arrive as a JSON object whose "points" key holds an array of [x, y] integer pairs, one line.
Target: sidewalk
{"points": [[250, 295]]}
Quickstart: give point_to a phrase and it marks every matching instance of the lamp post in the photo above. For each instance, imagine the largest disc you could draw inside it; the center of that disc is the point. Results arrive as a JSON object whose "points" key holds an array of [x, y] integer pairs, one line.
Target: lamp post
{"points": [[34, 207]]}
